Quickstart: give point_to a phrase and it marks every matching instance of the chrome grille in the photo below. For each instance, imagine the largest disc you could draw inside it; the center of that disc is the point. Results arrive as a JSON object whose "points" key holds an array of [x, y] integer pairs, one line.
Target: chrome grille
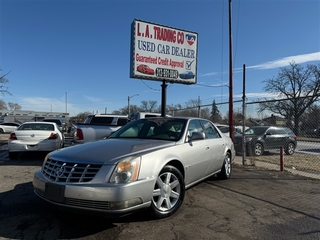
{"points": [[87, 203], [80, 202], [58, 171]]}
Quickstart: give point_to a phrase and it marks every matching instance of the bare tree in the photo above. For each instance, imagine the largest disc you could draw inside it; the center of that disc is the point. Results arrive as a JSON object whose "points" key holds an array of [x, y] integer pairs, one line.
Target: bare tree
{"points": [[124, 110], [310, 119], [3, 105], [80, 117], [298, 88], [149, 106], [3, 81], [14, 106]]}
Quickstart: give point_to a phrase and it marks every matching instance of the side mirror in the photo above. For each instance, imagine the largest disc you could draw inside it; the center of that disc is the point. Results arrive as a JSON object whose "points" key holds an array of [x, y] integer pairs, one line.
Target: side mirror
{"points": [[196, 136]]}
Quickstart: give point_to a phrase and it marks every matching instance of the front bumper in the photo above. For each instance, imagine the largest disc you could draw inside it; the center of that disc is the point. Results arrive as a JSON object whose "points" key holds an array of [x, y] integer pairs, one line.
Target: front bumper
{"points": [[114, 200]]}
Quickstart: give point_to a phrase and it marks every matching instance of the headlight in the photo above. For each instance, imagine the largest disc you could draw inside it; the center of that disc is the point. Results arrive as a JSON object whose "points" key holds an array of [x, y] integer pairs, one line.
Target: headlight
{"points": [[127, 170]]}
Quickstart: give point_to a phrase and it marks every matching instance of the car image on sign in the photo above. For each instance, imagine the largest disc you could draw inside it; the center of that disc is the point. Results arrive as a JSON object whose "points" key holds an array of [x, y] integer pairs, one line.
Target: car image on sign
{"points": [[187, 75], [145, 69]]}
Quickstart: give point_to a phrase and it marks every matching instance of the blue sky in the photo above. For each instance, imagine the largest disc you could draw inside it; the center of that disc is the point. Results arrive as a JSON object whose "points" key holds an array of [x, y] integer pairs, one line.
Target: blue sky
{"points": [[75, 54]]}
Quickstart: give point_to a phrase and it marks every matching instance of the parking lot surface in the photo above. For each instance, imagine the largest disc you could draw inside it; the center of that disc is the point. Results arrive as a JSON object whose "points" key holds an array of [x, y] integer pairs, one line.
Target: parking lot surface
{"points": [[254, 204]]}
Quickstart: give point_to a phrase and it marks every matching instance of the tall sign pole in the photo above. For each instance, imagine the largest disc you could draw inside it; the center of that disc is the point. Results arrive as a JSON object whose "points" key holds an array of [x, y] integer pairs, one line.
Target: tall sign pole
{"points": [[231, 118]]}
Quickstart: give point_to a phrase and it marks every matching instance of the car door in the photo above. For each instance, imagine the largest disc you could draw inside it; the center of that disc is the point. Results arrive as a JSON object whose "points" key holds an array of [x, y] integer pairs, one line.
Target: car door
{"points": [[217, 146], [273, 139], [196, 154], [7, 127]]}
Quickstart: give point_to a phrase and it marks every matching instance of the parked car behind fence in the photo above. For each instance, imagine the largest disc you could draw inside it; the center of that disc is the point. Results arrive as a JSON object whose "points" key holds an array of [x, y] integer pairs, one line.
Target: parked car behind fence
{"points": [[260, 139]]}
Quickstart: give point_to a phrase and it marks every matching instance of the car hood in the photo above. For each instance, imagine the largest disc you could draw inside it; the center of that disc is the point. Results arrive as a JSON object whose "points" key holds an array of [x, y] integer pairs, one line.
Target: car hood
{"points": [[108, 151]]}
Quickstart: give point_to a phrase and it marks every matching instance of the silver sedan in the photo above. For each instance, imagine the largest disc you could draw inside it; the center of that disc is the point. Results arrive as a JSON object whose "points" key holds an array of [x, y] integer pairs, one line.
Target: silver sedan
{"points": [[147, 164]]}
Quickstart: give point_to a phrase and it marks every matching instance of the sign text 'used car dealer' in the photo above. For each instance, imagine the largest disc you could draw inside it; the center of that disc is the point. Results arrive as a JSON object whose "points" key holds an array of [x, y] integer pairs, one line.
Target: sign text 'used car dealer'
{"points": [[162, 53]]}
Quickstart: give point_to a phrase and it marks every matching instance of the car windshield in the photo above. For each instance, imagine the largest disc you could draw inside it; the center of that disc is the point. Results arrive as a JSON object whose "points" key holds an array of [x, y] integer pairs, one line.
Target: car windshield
{"points": [[224, 129], [38, 127], [153, 128], [255, 131]]}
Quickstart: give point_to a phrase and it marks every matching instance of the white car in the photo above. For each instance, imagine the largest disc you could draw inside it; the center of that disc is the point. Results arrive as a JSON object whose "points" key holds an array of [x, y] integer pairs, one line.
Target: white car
{"points": [[35, 136], [8, 127], [225, 129], [146, 164]]}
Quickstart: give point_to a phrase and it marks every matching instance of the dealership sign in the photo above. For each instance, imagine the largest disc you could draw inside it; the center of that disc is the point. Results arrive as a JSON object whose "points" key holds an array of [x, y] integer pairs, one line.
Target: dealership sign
{"points": [[162, 53]]}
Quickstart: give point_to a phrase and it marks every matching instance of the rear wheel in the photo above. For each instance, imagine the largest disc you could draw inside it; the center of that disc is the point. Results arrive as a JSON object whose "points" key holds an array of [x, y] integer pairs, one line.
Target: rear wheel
{"points": [[13, 155], [289, 150], [1, 130], [168, 192], [226, 168], [258, 149]]}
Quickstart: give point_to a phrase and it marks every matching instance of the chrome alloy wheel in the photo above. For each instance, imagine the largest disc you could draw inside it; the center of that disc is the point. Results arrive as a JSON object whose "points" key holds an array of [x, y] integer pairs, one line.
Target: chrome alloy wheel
{"points": [[166, 192]]}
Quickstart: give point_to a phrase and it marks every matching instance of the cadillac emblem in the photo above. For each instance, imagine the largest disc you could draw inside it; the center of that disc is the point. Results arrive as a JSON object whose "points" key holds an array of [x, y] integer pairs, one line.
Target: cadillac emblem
{"points": [[60, 171]]}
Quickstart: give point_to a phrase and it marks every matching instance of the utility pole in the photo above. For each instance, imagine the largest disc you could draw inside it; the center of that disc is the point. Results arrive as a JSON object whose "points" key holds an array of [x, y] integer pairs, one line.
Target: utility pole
{"points": [[129, 102], [231, 118]]}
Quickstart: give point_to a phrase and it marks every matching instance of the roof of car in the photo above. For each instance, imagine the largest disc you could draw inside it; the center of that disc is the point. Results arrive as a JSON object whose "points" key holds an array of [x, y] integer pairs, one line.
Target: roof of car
{"points": [[270, 127], [38, 123], [177, 117]]}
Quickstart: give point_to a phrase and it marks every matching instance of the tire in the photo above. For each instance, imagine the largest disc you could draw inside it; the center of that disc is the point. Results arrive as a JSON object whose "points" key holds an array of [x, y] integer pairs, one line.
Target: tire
{"points": [[1, 130], [258, 149], [168, 193], [289, 150], [13, 155], [226, 168]]}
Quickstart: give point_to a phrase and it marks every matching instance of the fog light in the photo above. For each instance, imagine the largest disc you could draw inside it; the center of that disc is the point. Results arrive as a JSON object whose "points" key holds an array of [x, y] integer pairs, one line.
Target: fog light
{"points": [[125, 204]]}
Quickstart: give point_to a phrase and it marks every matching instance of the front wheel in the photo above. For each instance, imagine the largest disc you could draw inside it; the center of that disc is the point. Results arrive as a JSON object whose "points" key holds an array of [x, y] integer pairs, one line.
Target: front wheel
{"points": [[168, 192], [226, 168]]}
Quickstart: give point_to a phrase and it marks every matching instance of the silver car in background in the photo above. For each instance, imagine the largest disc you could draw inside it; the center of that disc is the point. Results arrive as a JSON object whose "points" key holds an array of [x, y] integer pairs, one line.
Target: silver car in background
{"points": [[146, 164], [8, 127]]}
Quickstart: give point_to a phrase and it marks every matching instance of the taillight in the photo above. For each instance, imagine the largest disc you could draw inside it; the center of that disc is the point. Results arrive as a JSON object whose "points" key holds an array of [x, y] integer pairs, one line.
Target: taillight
{"points": [[295, 137], [79, 134], [53, 136], [13, 136]]}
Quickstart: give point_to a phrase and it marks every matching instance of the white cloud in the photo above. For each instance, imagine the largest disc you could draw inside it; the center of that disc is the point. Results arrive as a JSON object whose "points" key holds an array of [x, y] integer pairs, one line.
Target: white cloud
{"points": [[258, 95], [208, 74], [282, 62]]}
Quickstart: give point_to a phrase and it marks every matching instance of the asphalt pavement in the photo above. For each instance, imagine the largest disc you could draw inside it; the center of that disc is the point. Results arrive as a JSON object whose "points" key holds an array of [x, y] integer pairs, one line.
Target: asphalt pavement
{"points": [[258, 202]]}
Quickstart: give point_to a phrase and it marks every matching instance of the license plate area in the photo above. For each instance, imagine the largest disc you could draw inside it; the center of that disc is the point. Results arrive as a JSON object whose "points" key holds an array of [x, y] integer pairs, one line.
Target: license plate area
{"points": [[54, 192], [32, 147]]}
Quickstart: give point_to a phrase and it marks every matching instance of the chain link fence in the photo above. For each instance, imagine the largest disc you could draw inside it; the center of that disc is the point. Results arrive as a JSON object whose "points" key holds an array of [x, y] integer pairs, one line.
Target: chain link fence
{"points": [[271, 149], [305, 159]]}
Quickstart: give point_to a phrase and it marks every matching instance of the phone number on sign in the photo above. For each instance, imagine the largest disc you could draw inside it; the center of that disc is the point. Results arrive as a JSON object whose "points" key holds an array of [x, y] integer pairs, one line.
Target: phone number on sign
{"points": [[166, 73]]}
